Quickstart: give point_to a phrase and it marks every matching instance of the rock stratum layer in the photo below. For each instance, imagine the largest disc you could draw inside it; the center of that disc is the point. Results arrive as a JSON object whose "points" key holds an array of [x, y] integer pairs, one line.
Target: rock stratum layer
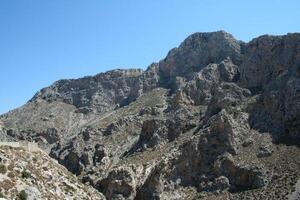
{"points": [[217, 118]]}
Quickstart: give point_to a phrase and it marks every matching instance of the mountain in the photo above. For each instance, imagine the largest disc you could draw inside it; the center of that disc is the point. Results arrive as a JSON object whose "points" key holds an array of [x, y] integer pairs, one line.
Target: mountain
{"points": [[217, 118]]}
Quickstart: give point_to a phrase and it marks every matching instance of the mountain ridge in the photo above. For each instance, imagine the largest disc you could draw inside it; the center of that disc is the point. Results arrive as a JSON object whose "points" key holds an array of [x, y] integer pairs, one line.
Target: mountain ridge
{"points": [[212, 119]]}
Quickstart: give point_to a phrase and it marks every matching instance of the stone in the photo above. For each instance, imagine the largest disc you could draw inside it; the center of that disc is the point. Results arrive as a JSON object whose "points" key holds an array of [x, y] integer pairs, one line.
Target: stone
{"points": [[242, 177], [264, 151], [267, 57], [120, 184], [153, 132], [248, 142], [229, 72], [230, 131], [192, 54], [228, 96]]}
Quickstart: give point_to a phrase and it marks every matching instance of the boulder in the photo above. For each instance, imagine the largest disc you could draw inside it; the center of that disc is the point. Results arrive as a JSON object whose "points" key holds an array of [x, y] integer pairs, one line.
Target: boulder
{"points": [[241, 177], [119, 184]]}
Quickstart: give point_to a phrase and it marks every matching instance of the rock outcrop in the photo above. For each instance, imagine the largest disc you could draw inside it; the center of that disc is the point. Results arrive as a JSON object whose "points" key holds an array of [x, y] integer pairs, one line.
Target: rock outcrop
{"points": [[217, 118], [100, 93], [197, 51]]}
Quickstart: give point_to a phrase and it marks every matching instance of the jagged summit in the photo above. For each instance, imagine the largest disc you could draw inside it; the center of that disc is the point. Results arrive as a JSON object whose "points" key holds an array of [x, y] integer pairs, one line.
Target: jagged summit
{"points": [[198, 50], [202, 37], [216, 119], [194, 53]]}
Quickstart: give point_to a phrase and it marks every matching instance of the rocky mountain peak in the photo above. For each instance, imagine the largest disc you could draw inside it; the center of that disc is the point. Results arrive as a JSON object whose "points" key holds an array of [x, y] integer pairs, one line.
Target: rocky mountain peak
{"points": [[216, 119], [197, 51], [196, 39]]}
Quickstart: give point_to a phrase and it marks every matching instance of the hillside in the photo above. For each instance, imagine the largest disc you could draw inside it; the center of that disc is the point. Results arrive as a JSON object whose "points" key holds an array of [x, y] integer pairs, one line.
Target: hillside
{"points": [[217, 118], [37, 176]]}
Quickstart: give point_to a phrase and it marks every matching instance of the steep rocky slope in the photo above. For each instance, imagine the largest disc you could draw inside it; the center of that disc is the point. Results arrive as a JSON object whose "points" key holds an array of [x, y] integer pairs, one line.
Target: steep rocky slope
{"points": [[34, 175], [217, 118]]}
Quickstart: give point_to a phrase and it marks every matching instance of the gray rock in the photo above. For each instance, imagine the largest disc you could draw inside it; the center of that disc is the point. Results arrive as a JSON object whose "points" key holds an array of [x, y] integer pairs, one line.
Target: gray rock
{"points": [[153, 132], [120, 184], [193, 54], [33, 193], [242, 177], [248, 142], [228, 96], [201, 86], [229, 72], [264, 151], [216, 94], [98, 93], [267, 57], [230, 130]]}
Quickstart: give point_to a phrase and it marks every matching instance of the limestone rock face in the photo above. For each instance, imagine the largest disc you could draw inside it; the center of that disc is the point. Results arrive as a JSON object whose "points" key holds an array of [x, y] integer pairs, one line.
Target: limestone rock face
{"points": [[292, 109], [229, 72], [242, 177], [197, 51], [120, 184], [217, 118], [231, 128], [2, 131], [153, 132], [100, 93], [200, 88], [268, 57], [228, 96]]}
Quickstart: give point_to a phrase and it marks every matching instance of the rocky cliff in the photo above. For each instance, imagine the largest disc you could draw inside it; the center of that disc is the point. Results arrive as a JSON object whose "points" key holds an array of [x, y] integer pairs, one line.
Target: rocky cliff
{"points": [[217, 118]]}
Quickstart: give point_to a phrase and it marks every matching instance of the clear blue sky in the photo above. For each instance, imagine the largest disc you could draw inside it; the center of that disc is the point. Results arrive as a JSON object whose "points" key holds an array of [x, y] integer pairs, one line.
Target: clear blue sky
{"points": [[45, 40]]}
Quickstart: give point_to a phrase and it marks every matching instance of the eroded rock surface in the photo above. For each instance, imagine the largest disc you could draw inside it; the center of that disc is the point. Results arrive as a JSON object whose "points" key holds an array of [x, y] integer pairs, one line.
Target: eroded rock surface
{"points": [[217, 118]]}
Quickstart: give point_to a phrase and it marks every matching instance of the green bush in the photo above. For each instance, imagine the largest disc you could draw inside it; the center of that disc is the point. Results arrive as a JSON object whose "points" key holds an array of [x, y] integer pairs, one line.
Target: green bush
{"points": [[22, 195], [3, 169], [34, 159], [2, 195], [25, 174]]}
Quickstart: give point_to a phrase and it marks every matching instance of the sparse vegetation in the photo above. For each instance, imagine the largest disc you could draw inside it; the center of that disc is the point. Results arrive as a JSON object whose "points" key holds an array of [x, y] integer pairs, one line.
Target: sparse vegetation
{"points": [[22, 195], [3, 169], [25, 174], [213, 129], [22, 173], [10, 167], [2, 195], [34, 159]]}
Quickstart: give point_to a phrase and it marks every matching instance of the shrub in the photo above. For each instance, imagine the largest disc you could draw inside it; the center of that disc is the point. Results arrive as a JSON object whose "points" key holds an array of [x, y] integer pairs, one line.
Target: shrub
{"points": [[10, 167], [34, 159], [11, 174], [25, 174], [2, 195], [22, 195], [3, 169]]}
